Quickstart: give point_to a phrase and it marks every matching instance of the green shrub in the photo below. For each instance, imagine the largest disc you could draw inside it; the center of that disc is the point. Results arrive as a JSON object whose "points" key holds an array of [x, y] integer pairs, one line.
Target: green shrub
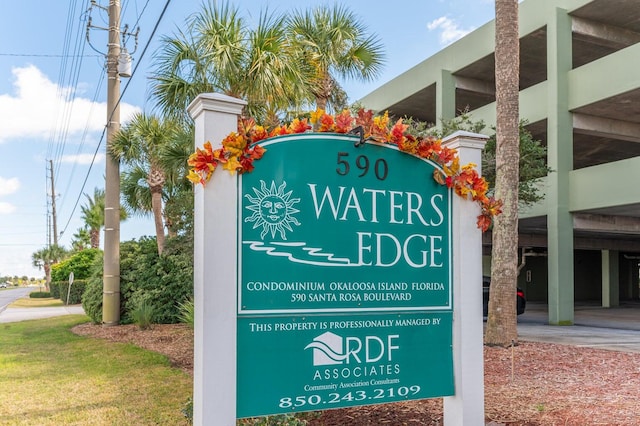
{"points": [[39, 294], [143, 315], [77, 290], [54, 289], [187, 312], [161, 280], [80, 263], [92, 296], [145, 276]]}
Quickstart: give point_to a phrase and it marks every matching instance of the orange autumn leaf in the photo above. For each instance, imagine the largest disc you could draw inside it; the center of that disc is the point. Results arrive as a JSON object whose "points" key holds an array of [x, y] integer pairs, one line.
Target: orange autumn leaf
{"points": [[234, 143], [344, 122], [196, 177], [232, 165], [480, 187], [327, 123], [246, 165], [453, 168], [492, 206], [379, 130], [447, 154], [425, 148], [202, 158], [279, 131], [316, 115], [258, 133], [364, 118], [257, 152], [408, 144], [397, 132], [484, 222], [299, 126]]}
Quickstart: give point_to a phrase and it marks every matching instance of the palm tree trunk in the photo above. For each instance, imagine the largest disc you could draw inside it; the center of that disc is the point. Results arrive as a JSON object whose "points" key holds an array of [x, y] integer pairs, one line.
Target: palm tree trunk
{"points": [[47, 275], [156, 181], [156, 207], [502, 320], [95, 238], [323, 93]]}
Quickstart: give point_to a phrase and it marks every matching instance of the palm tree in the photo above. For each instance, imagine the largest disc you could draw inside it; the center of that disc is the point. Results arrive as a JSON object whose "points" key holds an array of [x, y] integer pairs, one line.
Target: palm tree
{"points": [[333, 43], [218, 52], [46, 257], [93, 216], [81, 239], [177, 198], [141, 145], [502, 320]]}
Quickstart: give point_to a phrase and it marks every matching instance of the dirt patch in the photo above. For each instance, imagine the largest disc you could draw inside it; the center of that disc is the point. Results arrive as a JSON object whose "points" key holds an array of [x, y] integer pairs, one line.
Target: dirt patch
{"points": [[532, 384]]}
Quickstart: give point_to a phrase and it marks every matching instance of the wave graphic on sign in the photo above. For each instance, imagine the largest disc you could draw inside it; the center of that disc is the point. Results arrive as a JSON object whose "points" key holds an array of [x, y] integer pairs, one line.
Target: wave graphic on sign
{"points": [[298, 252], [332, 356]]}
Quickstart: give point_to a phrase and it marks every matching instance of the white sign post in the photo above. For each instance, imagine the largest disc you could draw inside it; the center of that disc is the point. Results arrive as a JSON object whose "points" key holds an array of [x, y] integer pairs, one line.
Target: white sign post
{"points": [[69, 289], [466, 407], [215, 275]]}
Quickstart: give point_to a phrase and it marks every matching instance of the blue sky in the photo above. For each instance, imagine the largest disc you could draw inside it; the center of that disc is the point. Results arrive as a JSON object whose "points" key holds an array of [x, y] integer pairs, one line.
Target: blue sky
{"points": [[53, 107]]}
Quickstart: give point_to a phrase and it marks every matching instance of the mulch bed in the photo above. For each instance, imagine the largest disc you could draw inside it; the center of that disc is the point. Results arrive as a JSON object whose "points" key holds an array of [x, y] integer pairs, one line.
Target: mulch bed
{"points": [[529, 385]]}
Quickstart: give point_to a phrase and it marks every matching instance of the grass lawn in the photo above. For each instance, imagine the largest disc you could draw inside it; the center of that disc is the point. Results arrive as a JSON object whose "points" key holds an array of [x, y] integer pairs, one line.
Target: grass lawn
{"points": [[50, 376], [27, 302]]}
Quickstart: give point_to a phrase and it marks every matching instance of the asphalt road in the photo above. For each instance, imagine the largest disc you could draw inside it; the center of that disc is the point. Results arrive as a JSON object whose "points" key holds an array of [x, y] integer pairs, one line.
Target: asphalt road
{"points": [[10, 314], [9, 295]]}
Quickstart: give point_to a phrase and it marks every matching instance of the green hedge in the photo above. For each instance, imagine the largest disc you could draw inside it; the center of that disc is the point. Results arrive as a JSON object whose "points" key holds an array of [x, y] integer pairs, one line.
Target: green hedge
{"points": [[79, 263], [54, 289], [62, 289], [39, 294]]}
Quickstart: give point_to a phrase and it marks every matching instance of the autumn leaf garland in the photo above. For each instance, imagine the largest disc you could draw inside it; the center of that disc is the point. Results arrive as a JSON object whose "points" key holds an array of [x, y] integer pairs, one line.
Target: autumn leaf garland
{"points": [[240, 149]]}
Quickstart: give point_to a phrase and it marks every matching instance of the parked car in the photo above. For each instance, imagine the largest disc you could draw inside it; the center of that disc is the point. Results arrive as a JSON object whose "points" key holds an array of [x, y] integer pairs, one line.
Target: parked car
{"points": [[3, 285], [521, 301]]}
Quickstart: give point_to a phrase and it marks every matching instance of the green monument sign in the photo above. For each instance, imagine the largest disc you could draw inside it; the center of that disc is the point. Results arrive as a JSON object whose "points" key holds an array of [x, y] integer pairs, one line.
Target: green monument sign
{"points": [[344, 277]]}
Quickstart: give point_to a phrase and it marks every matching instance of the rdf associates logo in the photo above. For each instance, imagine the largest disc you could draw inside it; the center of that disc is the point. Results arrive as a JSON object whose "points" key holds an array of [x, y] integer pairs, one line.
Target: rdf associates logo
{"points": [[332, 349]]}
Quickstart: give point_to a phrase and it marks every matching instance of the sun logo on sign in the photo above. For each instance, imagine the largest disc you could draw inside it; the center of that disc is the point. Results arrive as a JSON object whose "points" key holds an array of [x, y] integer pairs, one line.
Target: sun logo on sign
{"points": [[272, 209]]}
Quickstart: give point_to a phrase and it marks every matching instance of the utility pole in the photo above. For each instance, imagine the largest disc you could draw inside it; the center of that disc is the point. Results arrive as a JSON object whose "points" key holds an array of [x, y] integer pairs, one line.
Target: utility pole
{"points": [[111, 271], [53, 207], [118, 65]]}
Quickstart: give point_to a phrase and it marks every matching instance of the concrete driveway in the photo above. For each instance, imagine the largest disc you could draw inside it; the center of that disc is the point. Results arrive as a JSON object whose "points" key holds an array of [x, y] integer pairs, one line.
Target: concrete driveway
{"points": [[596, 327], [22, 314]]}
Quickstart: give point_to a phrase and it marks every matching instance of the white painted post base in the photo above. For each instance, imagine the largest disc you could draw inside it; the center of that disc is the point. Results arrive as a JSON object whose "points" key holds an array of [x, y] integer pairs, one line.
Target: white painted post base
{"points": [[215, 276], [466, 407]]}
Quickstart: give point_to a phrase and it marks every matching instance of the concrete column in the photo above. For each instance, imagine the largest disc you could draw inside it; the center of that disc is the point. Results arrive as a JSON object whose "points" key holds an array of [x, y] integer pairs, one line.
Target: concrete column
{"points": [[560, 160], [215, 244], [466, 407], [445, 97], [610, 279]]}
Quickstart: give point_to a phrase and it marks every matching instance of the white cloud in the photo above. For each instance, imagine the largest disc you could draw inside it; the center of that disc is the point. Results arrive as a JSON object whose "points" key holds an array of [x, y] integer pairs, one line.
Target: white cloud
{"points": [[83, 158], [6, 208], [450, 30], [9, 186], [38, 106]]}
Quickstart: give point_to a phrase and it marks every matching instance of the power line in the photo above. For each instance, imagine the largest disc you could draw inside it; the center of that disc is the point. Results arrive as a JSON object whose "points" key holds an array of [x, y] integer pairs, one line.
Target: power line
{"points": [[43, 55], [83, 138], [133, 73]]}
